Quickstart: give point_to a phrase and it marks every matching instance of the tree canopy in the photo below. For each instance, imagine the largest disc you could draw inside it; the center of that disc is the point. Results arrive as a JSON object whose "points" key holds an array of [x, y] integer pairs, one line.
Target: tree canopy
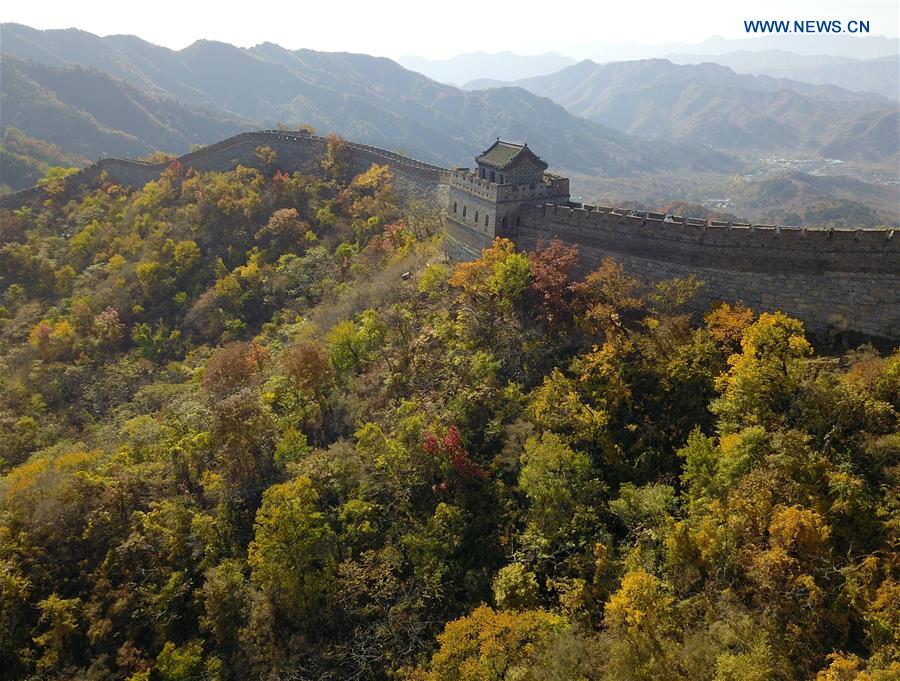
{"points": [[237, 441]]}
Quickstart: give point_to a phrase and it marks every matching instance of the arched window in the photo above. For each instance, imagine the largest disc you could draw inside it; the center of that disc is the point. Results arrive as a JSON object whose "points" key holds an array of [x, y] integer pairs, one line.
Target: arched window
{"points": [[454, 206], [486, 220], [476, 217], [464, 210]]}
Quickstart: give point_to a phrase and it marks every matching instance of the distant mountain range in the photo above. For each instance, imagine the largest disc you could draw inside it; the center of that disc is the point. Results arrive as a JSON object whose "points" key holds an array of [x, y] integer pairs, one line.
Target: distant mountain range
{"points": [[88, 113], [881, 75], [637, 130], [851, 46], [503, 66], [711, 104], [872, 65], [365, 98]]}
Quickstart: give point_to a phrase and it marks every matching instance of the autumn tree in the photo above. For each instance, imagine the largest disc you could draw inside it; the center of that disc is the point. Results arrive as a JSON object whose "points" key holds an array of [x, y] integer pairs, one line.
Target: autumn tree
{"points": [[764, 376], [292, 555], [493, 646], [338, 158]]}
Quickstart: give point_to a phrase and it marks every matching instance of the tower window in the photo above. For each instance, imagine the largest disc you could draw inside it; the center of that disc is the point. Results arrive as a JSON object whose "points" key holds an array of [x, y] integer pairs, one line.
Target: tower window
{"points": [[476, 217], [486, 220], [464, 210], [454, 206]]}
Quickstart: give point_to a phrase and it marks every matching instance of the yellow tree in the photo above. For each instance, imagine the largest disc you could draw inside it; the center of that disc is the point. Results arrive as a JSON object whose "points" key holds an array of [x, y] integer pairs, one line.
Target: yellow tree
{"points": [[757, 388], [292, 555], [493, 646]]}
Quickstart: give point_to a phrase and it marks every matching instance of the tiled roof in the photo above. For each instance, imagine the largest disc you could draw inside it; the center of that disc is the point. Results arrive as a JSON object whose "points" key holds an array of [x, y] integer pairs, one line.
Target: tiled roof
{"points": [[502, 153]]}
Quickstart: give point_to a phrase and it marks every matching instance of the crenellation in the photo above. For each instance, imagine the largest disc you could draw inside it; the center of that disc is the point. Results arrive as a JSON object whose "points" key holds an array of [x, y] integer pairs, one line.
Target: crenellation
{"points": [[296, 151], [832, 279]]}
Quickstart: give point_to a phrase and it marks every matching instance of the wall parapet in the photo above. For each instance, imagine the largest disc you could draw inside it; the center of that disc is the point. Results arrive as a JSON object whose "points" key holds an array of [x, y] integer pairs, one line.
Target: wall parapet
{"points": [[732, 245], [552, 187], [137, 171], [834, 280]]}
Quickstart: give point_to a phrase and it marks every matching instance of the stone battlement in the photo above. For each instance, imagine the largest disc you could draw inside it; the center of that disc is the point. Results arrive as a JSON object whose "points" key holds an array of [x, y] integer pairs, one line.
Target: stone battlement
{"points": [[552, 186], [732, 245], [834, 280], [296, 151]]}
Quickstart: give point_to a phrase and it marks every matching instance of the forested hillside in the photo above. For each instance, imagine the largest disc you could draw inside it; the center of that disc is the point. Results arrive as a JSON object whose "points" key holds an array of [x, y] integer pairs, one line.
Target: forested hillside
{"points": [[711, 104], [25, 160], [254, 426], [88, 113], [365, 98]]}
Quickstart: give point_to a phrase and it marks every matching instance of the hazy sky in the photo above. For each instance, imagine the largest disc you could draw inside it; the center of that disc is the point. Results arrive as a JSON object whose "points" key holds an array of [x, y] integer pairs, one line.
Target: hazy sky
{"points": [[435, 28]]}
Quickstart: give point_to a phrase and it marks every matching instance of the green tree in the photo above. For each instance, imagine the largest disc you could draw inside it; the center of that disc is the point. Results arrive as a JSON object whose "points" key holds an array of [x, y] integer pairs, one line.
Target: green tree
{"points": [[293, 553], [62, 635], [764, 376]]}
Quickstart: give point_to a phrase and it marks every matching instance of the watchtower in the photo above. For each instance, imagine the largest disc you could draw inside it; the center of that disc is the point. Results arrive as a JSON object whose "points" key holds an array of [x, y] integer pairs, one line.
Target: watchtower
{"points": [[483, 203]]}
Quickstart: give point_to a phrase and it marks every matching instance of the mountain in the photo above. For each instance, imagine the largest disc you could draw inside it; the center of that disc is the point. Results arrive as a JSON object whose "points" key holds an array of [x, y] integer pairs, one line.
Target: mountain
{"points": [[849, 46], [24, 160], [880, 75], [365, 98], [803, 199], [262, 429], [502, 65], [88, 113], [747, 61], [865, 136], [853, 46], [711, 104]]}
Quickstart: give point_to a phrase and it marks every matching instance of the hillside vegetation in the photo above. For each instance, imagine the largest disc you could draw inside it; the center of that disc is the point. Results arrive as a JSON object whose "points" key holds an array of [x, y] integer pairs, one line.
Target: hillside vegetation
{"points": [[25, 160], [89, 114], [253, 426]]}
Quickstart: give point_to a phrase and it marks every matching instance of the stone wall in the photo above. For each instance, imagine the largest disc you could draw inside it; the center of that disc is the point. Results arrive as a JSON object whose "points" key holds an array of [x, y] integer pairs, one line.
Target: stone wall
{"points": [[414, 180], [478, 210], [833, 280], [468, 208]]}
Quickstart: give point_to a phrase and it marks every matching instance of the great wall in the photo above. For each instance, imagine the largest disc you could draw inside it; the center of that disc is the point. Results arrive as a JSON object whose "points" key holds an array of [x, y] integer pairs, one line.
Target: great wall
{"points": [[836, 281], [296, 151]]}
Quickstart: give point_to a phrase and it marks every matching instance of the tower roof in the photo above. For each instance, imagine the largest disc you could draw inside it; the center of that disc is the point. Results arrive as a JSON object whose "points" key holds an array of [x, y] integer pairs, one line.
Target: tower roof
{"points": [[502, 154]]}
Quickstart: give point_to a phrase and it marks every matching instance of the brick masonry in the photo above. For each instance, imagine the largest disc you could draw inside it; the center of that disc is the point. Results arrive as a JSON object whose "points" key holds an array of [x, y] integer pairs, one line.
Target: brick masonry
{"points": [[413, 180], [833, 280]]}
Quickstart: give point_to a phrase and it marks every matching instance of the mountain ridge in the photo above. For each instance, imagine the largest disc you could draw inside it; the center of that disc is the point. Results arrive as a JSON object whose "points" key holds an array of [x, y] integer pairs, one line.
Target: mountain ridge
{"points": [[373, 100], [877, 75], [711, 104]]}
